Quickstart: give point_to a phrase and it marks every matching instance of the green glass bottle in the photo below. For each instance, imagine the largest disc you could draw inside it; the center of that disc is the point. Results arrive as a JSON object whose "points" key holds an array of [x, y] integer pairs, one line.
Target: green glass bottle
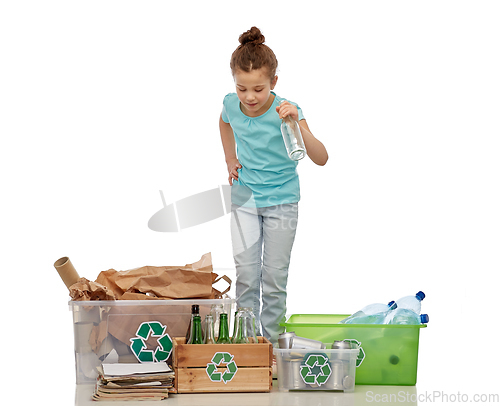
{"points": [[223, 330], [197, 336], [238, 337], [195, 311]]}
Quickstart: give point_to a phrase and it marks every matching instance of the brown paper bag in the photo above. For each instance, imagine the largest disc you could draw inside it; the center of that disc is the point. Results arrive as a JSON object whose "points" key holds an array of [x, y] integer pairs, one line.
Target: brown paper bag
{"points": [[165, 282]]}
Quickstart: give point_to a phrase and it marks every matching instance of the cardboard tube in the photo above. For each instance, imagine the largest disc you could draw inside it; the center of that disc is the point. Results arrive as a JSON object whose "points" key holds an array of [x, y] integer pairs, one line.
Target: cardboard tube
{"points": [[66, 271]]}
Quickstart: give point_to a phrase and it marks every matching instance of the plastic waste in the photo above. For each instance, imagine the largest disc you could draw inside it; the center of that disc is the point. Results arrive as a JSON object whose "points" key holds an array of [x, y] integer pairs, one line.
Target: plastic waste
{"points": [[406, 316], [375, 313], [413, 303]]}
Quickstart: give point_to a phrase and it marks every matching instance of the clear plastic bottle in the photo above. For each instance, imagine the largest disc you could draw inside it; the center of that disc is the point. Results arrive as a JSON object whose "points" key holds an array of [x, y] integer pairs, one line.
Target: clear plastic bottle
{"points": [[413, 303], [406, 316], [375, 313], [290, 130]]}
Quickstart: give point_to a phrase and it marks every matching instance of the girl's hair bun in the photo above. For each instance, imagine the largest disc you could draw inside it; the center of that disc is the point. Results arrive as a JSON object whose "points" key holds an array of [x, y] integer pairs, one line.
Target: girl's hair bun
{"points": [[252, 53], [252, 36]]}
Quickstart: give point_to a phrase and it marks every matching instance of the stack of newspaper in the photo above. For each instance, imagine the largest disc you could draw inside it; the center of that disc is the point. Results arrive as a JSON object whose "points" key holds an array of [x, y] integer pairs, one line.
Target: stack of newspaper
{"points": [[149, 381]]}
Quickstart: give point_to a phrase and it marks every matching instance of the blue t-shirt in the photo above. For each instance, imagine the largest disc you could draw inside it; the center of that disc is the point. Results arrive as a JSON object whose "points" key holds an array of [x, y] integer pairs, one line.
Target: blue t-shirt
{"points": [[267, 173]]}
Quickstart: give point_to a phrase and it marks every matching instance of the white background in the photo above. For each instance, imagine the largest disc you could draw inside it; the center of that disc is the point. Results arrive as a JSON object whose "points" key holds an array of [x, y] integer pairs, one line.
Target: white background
{"points": [[105, 103]]}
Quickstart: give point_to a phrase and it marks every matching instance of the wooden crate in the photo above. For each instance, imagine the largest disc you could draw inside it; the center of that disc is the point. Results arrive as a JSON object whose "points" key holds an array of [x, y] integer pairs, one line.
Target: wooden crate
{"points": [[223, 367]]}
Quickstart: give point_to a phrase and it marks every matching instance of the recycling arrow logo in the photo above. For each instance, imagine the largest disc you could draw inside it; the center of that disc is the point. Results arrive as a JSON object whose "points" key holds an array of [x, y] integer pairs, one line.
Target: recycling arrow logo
{"points": [[218, 359], [316, 370], [138, 343], [361, 354]]}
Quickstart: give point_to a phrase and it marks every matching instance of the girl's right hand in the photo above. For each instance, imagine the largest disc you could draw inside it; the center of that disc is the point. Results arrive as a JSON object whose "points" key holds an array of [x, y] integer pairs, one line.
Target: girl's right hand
{"points": [[232, 167]]}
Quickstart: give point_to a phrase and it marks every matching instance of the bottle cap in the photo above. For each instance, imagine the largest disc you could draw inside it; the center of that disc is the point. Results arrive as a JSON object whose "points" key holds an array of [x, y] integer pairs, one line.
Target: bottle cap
{"points": [[195, 308], [420, 295], [424, 318]]}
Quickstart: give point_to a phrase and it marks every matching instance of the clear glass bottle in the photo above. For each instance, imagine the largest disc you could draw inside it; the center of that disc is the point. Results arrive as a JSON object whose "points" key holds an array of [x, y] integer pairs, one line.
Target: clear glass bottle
{"points": [[223, 330], [294, 143], [196, 332], [245, 327], [209, 333], [215, 311], [234, 325]]}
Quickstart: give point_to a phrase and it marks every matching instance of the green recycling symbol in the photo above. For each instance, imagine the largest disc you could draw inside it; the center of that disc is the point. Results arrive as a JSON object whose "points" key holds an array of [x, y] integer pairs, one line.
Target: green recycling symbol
{"points": [[218, 359], [316, 369], [361, 354], [138, 343]]}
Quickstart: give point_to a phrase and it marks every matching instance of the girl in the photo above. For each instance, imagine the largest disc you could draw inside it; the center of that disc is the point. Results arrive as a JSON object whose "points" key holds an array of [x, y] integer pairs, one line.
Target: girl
{"points": [[265, 183]]}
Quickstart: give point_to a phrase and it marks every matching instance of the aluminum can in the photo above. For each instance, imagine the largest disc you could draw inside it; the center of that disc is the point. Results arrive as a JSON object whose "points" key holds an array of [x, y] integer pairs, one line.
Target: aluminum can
{"points": [[307, 343], [337, 377], [341, 345], [285, 340]]}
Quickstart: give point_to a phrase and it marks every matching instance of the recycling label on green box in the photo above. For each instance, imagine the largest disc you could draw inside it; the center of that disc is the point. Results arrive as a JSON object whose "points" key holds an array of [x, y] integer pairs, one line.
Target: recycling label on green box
{"points": [[139, 347], [219, 359], [361, 354]]}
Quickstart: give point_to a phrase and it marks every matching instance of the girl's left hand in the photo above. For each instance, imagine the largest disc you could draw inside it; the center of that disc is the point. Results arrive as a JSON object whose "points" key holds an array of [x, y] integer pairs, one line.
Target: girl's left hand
{"points": [[287, 109]]}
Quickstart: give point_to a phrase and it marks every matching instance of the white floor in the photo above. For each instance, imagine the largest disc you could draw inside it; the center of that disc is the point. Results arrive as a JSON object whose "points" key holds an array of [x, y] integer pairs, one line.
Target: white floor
{"points": [[363, 394]]}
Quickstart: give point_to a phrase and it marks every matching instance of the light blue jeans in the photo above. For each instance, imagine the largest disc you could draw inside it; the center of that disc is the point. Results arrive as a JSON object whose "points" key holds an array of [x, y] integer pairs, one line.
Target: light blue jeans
{"points": [[262, 244]]}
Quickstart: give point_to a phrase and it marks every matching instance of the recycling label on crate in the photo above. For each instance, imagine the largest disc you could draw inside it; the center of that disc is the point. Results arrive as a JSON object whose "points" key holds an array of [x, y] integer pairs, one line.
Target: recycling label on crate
{"points": [[316, 369], [219, 359], [138, 343]]}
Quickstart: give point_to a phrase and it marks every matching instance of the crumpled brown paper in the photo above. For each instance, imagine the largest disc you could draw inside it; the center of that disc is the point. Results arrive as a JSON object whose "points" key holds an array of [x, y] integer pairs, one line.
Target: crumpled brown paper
{"points": [[84, 289], [154, 282]]}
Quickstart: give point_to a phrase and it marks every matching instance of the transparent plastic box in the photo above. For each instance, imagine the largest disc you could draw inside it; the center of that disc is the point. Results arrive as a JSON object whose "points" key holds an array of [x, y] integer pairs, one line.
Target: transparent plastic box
{"points": [[326, 369], [130, 331]]}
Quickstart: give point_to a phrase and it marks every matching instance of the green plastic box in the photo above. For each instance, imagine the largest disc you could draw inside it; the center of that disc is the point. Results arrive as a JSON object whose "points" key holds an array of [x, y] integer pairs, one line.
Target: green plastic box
{"points": [[388, 355]]}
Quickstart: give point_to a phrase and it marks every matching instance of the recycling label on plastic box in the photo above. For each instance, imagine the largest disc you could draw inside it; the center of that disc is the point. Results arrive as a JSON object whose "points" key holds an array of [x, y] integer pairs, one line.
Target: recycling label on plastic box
{"points": [[139, 347], [316, 369]]}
